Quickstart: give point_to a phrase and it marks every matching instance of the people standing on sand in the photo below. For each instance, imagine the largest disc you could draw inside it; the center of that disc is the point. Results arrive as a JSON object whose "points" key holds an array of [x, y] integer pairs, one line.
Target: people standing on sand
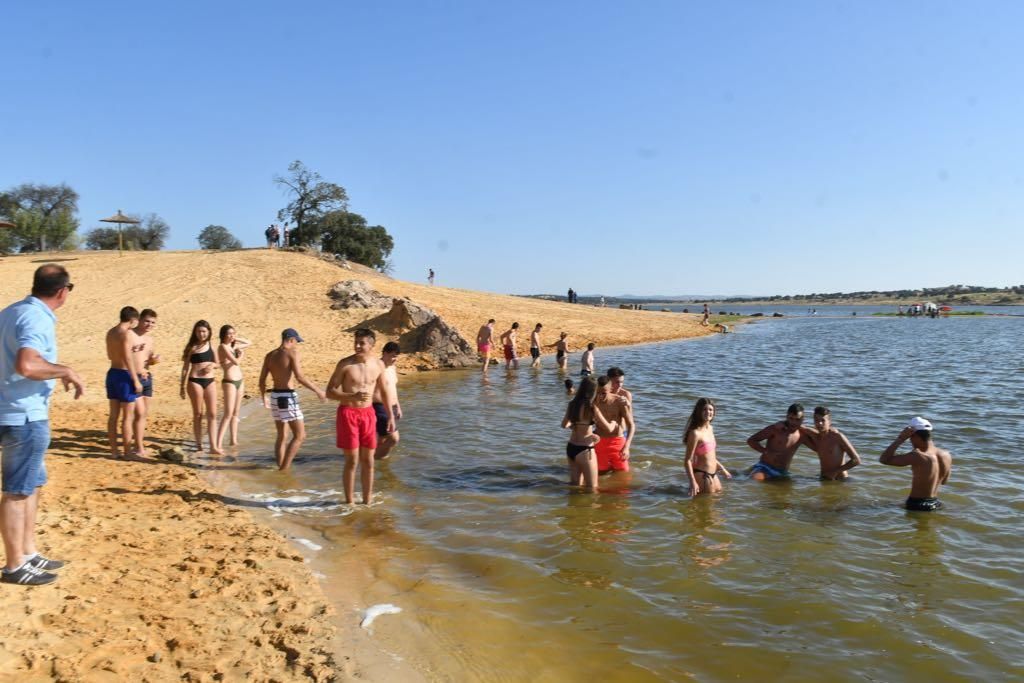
{"points": [[569, 295], [701, 458], [145, 357], [781, 441], [123, 385], [562, 352], [430, 275], [355, 380], [229, 357], [707, 316], [387, 440], [284, 367], [581, 417], [588, 361], [509, 339], [930, 465], [484, 341], [831, 445], [197, 374], [612, 450], [535, 346], [28, 374]]}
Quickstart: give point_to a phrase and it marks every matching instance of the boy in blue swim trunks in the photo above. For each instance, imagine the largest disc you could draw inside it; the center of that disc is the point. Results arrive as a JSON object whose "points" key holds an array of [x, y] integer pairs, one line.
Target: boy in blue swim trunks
{"points": [[123, 385], [781, 441]]}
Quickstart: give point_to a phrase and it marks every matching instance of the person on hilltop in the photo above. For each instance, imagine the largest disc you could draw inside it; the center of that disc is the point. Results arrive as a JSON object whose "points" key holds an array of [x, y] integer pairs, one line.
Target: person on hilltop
{"points": [[509, 339], [700, 459], [930, 464], [122, 382], [229, 357], [387, 440], [535, 345], [835, 452], [782, 439], [430, 275], [484, 341], [197, 366], [284, 367], [355, 380], [145, 357], [28, 374]]}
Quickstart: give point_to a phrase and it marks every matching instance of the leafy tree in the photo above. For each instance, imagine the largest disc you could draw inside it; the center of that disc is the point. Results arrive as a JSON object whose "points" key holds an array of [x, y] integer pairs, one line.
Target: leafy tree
{"points": [[149, 235], [311, 197], [101, 238], [44, 215], [218, 237], [347, 234]]}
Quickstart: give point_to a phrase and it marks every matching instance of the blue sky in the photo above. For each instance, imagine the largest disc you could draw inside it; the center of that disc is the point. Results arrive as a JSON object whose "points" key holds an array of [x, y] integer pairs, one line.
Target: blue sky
{"points": [[647, 148]]}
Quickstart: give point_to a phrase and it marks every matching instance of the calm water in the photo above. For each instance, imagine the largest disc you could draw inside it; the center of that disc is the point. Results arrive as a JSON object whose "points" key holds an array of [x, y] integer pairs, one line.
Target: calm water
{"points": [[505, 574]]}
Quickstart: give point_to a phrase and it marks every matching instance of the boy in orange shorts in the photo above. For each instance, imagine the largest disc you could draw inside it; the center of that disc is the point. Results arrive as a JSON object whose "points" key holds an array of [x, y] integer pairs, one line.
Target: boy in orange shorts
{"points": [[353, 383]]}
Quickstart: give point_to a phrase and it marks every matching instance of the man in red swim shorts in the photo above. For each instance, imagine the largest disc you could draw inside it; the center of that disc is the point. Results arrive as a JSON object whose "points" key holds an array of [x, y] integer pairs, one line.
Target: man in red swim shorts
{"points": [[612, 450], [353, 384], [484, 340]]}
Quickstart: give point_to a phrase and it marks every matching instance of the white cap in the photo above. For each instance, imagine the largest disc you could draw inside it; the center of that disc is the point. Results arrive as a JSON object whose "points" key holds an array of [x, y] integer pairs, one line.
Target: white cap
{"points": [[919, 423]]}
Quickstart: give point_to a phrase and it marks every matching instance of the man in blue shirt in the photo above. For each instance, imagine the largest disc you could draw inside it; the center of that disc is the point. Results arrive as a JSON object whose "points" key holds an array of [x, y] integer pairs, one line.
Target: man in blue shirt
{"points": [[28, 373]]}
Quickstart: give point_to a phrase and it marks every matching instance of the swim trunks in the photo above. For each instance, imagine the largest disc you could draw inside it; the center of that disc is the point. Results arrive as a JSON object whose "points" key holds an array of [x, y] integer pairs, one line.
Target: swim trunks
{"points": [[534, 352], [510, 352], [609, 454], [382, 418], [769, 471], [120, 386], [585, 373], [284, 405], [356, 428], [483, 348], [147, 386], [923, 504]]}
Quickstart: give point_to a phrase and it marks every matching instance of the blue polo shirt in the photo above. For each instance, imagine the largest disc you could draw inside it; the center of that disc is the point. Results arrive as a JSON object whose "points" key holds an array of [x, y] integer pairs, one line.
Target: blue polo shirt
{"points": [[28, 323]]}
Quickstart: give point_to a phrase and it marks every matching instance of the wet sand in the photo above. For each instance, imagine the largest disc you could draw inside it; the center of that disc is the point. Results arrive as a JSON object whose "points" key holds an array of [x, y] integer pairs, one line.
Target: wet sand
{"points": [[166, 579]]}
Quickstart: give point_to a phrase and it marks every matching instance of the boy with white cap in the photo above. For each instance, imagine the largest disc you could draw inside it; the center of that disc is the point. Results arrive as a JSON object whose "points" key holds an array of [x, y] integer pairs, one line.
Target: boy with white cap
{"points": [[931, 465]]}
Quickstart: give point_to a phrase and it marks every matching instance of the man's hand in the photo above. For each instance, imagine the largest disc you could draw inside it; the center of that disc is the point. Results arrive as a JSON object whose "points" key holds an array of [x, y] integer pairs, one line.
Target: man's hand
{"points": [[391, 425], [320, 394], [137, 386], [266, 401], [906, 433], [73, 380]]}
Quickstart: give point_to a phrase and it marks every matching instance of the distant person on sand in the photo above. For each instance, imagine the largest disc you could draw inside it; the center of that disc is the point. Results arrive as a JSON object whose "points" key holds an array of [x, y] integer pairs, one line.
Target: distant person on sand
{"points": [[387, 440], [612, 450], [28, 374], [701, 458], [285, 368], [123, 385], [930, 465], [707, 316], [355, 380], [562, 352], [197, 370], [430, 275], [509, 339], [588, 361], [570, 295], [781, 441], [831, 445], [229, 356], [581, 417], [145, 357], [535, 346], [484, 341], [272, 236]]}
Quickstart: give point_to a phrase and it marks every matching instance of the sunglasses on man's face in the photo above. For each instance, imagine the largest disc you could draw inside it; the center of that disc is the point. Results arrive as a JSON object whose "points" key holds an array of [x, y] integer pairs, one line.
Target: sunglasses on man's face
{"points": [[70, 286]]}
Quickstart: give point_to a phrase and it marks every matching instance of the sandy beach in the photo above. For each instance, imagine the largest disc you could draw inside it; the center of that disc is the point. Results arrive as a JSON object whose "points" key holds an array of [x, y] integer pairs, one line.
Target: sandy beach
{"points": [[168, 581]]}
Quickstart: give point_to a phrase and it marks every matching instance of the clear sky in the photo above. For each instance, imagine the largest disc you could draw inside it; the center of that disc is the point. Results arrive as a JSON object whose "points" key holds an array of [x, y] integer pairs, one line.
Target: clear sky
{"points": [[644, 147]]}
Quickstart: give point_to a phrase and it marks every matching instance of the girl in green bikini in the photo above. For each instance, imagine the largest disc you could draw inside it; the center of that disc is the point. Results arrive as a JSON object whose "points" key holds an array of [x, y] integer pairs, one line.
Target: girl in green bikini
{"points": [[229, 355]]}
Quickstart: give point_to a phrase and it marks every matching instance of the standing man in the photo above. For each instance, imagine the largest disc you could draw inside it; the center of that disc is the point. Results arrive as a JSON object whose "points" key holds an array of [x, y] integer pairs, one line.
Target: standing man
{"points": [[781, 441], [508, 341], [145, 356], [832, 446], [356, 378], [283, 365], [588, 361], [535, 346], [430, 276], [612, 450], [123, 385], [484, 341], [618, 381], [28, 370], [930, 465], [387, 440]]}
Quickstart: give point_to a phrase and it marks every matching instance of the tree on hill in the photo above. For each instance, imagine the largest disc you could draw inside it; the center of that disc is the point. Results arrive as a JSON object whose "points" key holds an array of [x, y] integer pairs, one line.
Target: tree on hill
{"points": [[101, 238], [347, 234], [216, 237], [311, 198], [149, 235], [44, 216]]}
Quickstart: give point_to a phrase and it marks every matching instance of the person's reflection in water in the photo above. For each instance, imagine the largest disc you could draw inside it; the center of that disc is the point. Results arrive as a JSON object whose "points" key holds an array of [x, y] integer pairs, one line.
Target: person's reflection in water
{"points": [[704, 522]]}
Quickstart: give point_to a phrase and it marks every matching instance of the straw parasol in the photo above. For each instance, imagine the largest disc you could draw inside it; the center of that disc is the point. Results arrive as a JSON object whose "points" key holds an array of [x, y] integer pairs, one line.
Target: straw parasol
{"points": [[120, 219]]}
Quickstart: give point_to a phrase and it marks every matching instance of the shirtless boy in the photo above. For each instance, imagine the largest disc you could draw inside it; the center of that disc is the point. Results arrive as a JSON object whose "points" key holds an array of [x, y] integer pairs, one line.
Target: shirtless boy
{"points": [[355, 380], [618, 380], [930, 465], [123, 385], [612, 450], [562, 351], [831, 445], [782, 439], [535, 346], [145, 356], [588, 361], [387, 440], [508, 341], [484, 340], [284, 367]]}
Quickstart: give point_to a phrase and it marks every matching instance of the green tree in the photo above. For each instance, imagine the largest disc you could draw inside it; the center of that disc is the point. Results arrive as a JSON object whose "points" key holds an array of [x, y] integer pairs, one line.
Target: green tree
{"points": [[101, 238], [218, 237], [347, 234], [45, 215], [150, 234], [311, 198]]}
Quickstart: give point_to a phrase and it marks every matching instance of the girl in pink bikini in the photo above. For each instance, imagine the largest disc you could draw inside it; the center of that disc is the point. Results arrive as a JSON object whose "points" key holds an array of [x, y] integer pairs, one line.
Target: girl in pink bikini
{"points": [[702, 466]]}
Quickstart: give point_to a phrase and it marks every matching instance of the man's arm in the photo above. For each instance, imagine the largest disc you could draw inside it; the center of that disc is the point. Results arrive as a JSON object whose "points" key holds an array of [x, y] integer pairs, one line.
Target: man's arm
{"points": [[301, 379], [889, 456], [755, 440], [385, 393], [31, 365], [851, 452], [264, 371], [127, 342], [334, 391], [629, 424]]}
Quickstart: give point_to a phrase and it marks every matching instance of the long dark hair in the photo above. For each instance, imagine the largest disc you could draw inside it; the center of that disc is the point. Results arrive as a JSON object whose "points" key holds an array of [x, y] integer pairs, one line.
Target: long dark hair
{"points": [[583, 399], [194, 339], [697, 420], [224, 332]]}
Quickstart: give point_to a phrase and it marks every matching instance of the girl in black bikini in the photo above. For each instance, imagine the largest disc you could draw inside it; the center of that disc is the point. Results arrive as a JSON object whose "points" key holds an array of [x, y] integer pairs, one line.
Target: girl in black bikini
{"points": [[580, 416], [229, 353], [701, 461], [197, 368]]}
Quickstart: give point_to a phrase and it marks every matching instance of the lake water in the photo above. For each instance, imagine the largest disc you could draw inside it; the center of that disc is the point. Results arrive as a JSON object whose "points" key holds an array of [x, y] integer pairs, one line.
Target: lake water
{"points": [[503, 573]]}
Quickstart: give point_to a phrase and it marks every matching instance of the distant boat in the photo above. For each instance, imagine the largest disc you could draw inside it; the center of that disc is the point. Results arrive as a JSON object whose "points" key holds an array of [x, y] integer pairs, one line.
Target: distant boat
{"points": [[945, 309]]}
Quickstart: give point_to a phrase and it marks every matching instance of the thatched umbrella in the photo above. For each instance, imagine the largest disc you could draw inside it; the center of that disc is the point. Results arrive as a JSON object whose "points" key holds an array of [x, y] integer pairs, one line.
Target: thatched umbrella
{"points": [[120, 219]]}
